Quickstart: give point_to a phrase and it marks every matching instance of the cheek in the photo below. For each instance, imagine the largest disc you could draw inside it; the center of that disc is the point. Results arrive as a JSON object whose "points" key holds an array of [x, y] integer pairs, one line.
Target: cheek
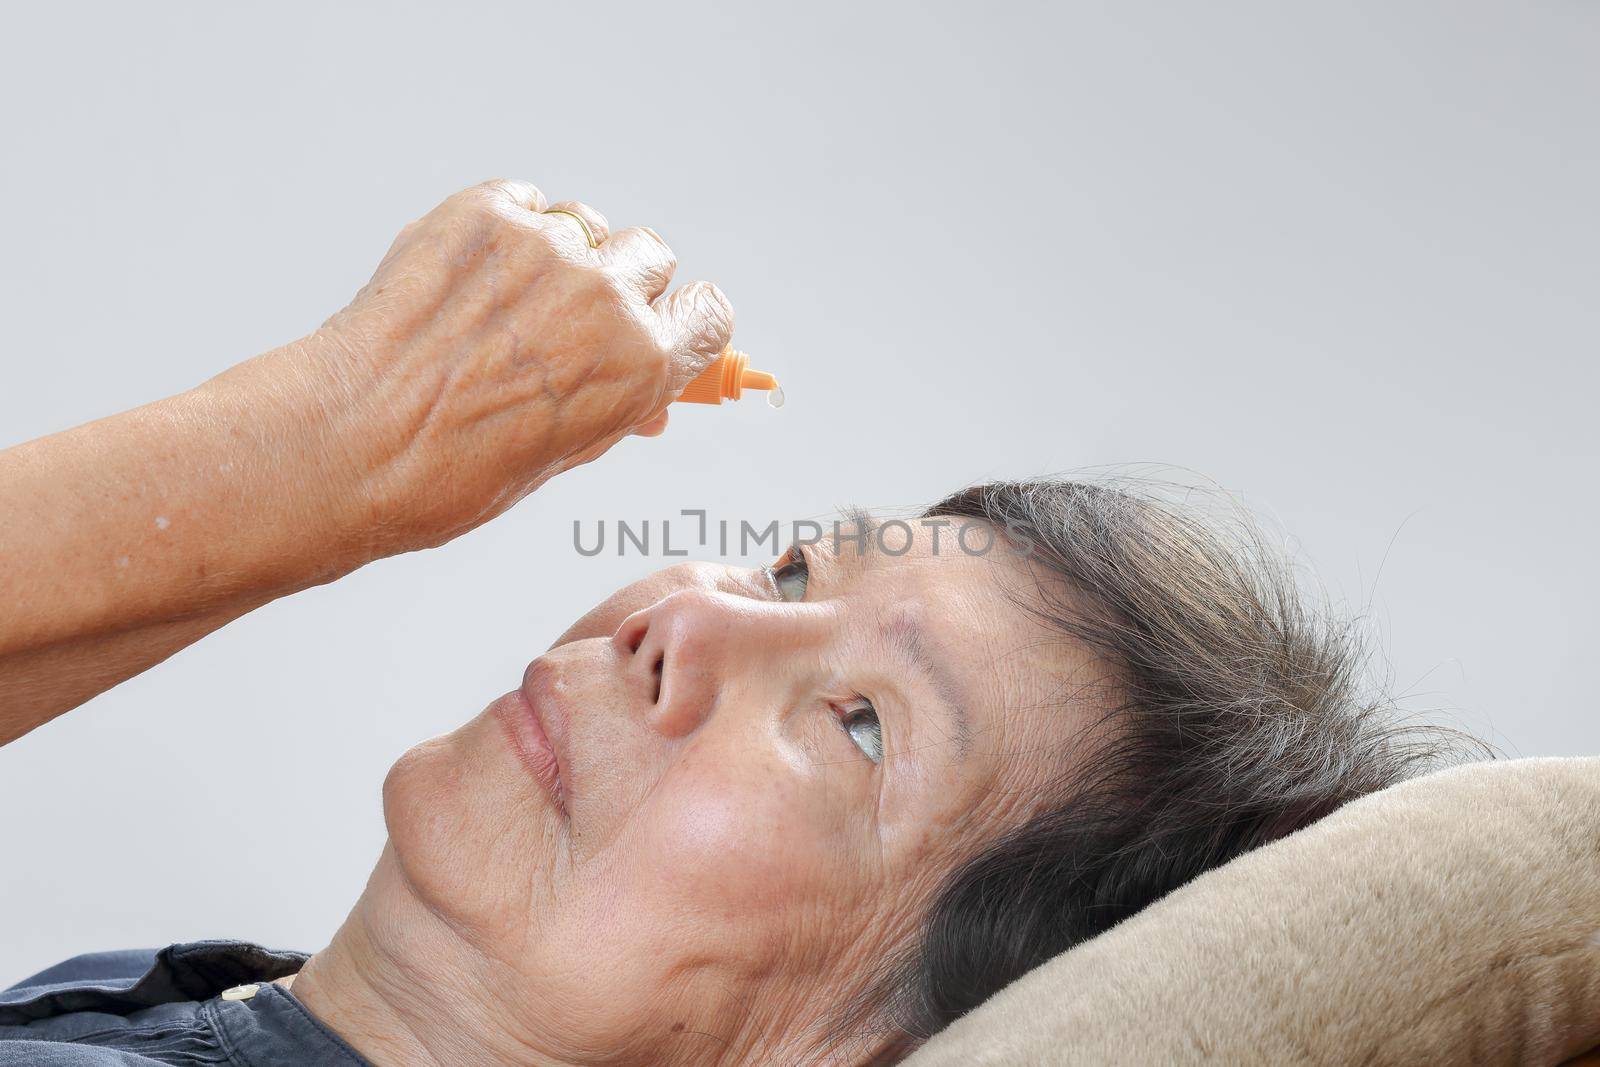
{"points": [[730, 846], [707, 876]]}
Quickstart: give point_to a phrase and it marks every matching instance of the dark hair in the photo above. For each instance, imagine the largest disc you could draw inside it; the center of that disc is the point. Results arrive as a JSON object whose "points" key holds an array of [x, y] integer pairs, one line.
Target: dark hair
{"points": [[1238, 715]]}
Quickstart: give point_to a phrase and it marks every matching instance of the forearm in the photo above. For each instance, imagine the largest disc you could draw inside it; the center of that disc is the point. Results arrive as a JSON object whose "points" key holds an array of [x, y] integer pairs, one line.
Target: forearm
{"points": [[38, 685], [123, 540]]}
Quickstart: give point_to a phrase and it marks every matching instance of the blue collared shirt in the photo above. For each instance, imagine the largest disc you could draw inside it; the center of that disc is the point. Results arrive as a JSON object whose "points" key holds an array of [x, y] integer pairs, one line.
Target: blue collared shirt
{"points": [[166, 1006]]}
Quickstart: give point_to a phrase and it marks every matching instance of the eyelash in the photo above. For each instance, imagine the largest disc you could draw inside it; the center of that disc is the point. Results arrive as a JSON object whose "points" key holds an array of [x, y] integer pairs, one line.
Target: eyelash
{"points": [[794, 563]]}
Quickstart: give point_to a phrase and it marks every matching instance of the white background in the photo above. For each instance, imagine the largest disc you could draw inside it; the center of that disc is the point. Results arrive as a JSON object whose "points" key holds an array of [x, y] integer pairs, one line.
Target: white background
{"points": [[1340, 258]]}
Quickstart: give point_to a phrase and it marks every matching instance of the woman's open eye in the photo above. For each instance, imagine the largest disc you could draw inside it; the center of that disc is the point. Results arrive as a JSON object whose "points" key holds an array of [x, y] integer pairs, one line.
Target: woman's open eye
{"points": [[860, 721], [790, 574]]}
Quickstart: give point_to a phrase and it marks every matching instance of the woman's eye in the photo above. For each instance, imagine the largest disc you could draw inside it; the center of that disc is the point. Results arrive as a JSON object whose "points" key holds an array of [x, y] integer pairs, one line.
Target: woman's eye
{"points": [[790, 575], [860, 721]]}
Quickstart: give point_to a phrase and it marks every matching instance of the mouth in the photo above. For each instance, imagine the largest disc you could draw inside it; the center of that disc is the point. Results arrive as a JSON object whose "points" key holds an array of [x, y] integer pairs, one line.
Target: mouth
{"points": [[525, 713]]}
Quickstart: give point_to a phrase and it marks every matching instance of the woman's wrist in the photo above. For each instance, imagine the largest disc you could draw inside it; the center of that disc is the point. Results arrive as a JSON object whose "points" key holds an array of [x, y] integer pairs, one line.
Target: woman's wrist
{"points": [[303, 444], [371, 425]]}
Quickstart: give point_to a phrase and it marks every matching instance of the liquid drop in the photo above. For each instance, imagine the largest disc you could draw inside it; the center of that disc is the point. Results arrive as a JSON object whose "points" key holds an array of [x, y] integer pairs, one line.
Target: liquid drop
{"points": [[775, 397]]}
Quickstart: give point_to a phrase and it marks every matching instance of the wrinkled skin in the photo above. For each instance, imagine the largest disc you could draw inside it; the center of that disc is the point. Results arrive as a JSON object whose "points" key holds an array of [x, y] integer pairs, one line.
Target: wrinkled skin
{"points": [[493, 349], [726, 864], [730, 867]]}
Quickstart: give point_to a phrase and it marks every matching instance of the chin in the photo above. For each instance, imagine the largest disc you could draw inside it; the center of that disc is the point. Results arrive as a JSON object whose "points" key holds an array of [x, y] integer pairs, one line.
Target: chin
{"points": [[461, 825], [431, 797], [417, 797]]}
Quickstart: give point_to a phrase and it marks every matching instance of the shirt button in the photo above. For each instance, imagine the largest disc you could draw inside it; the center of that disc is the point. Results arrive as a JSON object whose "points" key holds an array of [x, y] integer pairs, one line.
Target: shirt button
{"points": [[240, 992]]}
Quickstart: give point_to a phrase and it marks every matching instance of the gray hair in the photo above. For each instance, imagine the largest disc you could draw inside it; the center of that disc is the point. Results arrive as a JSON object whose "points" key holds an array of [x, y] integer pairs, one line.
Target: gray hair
{"points": [[1240, 713]]}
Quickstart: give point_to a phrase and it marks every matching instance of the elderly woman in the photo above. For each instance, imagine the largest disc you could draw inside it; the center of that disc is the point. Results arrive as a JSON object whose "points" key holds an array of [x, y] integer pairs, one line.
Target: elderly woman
{"points": [[804, 813]]}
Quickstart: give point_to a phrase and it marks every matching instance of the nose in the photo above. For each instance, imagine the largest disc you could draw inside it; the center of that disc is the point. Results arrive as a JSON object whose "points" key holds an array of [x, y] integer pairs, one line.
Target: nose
{"points": [[676, 652]]}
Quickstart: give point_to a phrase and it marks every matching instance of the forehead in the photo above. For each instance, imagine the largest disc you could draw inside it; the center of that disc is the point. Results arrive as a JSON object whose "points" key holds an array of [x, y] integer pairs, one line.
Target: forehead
{"points": [[963, 601], [958, 597]]}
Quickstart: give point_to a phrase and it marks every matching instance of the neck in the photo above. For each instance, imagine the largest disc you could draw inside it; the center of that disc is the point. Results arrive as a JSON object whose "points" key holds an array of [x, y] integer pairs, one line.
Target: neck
{"points": [[392, 985]]}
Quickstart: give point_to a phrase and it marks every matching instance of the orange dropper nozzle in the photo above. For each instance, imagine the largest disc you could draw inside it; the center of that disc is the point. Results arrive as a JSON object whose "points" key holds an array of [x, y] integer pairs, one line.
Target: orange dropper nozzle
{"points": [[728, 376]]}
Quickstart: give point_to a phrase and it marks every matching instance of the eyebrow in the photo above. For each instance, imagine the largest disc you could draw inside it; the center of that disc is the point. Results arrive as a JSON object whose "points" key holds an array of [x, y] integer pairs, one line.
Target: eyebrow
{"points": [[906, 635]]}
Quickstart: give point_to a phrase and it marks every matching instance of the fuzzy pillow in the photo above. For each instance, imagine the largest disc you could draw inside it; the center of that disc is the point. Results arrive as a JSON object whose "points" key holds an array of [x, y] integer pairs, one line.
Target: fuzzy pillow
{"points": [[1454, 918]]}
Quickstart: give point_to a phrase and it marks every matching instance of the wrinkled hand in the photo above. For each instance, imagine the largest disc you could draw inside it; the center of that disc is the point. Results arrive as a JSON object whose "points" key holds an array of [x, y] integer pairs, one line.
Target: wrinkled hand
{"points": [[493, 349]]}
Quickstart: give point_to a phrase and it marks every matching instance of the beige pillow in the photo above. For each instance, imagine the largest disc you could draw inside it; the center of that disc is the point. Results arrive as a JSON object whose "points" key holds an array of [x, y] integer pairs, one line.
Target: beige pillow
{"points": [[1454, 918]]}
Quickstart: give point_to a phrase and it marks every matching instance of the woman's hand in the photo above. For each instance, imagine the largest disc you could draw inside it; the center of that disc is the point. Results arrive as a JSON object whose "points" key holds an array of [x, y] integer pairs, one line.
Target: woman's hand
{"points": [[493, 349]]}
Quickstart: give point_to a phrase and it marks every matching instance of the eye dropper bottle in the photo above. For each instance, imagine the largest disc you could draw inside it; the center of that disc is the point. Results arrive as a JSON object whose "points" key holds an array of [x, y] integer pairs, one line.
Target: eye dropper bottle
{"points": [[728, 376]]}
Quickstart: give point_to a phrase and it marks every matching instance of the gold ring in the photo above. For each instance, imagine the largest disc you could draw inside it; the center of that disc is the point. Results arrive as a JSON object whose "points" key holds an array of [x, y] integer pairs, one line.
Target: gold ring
{"points": [[588, 234]]}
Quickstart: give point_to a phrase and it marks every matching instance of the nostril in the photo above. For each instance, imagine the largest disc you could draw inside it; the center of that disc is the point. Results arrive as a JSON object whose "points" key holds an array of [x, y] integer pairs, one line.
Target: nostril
{"points": [[655, 673], [630, 635]]}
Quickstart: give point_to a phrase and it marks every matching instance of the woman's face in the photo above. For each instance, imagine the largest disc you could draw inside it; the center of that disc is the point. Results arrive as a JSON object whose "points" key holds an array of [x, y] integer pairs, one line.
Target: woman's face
{"points": [[763, 778]]}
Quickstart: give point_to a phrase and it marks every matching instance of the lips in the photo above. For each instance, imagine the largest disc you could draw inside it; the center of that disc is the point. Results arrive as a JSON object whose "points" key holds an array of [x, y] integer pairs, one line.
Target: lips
{"points": [[525, 713]]}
